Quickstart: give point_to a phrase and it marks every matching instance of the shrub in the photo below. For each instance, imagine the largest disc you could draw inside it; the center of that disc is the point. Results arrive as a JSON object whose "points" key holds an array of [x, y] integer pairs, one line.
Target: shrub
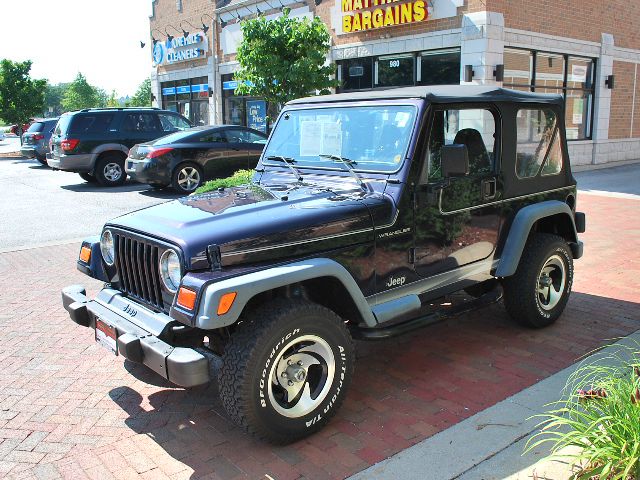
{"points": [[600, 415], [241, 177]]}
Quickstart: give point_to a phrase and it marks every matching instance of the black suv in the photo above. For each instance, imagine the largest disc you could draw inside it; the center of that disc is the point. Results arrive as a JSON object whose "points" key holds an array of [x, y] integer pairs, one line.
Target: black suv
{"points": [[365, 209], [95, 142]]}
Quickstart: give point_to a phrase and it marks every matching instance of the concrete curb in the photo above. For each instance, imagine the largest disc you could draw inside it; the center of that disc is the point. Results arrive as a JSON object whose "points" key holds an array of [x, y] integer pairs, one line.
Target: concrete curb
{"points": [[488, 445]]}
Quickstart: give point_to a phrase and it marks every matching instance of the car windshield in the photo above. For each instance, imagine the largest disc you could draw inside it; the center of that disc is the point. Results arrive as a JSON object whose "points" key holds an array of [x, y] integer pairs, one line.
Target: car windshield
{"points": [[373, 138]]}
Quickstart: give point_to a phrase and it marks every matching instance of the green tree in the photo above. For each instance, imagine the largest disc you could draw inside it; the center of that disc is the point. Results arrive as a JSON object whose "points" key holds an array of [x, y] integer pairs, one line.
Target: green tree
{"points": [[142, 97], [284, 58], [80, 94], [21, 97], [53, 96]]}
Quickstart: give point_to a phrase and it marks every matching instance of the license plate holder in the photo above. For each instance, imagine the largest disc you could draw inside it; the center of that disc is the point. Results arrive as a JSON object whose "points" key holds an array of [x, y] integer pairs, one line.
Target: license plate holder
{"points": [[106, 336]]}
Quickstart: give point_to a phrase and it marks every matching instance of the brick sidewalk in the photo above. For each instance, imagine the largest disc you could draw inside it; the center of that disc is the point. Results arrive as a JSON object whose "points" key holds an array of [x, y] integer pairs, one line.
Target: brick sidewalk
{"points": [[69, 409]]}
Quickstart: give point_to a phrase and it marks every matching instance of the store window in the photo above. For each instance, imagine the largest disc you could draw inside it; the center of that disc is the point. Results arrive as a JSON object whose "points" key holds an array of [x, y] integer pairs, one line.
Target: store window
{"points": [[439, 67], [242, 109], [434, 67], [570, 76], [538, 143], [395, 70], [189, 97]]}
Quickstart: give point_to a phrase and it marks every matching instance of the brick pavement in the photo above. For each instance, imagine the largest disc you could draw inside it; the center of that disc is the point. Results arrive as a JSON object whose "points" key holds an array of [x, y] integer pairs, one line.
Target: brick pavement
{"points": [[68, 409]]}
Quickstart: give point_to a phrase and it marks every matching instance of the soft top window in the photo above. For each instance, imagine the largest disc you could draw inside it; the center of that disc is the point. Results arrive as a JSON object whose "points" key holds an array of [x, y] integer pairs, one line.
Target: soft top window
{"points": [[538, 143]]}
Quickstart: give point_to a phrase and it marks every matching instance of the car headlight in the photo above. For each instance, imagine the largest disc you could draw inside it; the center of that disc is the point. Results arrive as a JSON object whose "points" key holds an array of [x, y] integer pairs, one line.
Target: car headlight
{"points": [[107, 247], [170, 270]]}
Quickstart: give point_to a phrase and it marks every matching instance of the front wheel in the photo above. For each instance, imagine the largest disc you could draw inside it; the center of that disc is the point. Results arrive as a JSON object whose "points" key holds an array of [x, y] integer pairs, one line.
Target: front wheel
{"points": [[286, 370], [538, 292], [87, 177]]}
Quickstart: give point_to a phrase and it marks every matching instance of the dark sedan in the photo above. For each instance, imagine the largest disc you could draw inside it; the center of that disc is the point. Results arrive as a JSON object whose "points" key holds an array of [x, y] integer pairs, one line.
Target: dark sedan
{"points": [[184, 160]]}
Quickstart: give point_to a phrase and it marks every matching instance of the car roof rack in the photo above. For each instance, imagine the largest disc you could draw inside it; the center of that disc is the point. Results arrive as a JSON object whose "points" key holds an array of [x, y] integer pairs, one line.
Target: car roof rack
{"points": [[117, 108]]}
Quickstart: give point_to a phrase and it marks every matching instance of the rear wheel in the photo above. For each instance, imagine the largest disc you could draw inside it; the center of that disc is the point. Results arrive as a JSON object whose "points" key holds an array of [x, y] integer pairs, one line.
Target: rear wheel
{"points": [[109, 171], [286, 369], [538, 292], [42, 159], [186, 178]]}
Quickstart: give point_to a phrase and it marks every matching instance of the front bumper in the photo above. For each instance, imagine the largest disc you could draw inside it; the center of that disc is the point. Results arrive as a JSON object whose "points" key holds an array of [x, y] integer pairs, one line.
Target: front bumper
{"points": [[138, 336]]}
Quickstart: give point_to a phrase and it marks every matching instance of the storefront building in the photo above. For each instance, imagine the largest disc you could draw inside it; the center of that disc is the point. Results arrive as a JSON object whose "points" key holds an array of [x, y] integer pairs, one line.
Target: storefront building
{"points": [[588, 55]]}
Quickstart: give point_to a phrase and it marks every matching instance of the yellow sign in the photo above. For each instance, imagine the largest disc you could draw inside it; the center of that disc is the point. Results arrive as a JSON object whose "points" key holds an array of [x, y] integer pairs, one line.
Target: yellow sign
{"points": [[360, 15]]}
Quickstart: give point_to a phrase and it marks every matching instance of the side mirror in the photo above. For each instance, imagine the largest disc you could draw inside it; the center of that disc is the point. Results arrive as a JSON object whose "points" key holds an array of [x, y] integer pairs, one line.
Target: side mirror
{"points": [[455, 160]]}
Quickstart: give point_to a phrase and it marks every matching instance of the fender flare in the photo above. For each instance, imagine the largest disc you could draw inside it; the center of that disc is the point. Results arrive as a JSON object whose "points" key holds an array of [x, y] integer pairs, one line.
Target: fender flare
{"points": [[108, 147], [249, 285], [521, 227]]}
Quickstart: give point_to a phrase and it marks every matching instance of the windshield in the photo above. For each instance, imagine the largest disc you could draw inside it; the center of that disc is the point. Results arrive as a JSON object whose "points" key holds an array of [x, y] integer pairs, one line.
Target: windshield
{"points": [[372, 138]]}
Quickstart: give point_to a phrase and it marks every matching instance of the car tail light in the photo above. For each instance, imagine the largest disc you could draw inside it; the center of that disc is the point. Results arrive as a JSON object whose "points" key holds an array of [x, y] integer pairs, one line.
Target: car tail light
{"points": [[38, 136], [156, 152], [69, 144]]}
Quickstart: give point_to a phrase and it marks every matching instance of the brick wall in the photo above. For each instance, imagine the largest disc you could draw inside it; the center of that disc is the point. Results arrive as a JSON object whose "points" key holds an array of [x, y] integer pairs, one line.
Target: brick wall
{"points": [[621, 95], [573, 18]]}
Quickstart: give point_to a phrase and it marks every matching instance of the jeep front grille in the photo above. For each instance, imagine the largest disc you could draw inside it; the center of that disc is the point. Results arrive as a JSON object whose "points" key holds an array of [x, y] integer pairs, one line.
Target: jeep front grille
{"points": [[137, 265]]}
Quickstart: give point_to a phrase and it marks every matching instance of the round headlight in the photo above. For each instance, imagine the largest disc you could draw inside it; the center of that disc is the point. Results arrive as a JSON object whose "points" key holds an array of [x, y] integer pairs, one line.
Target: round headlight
{"points": [[170, 270], [107, 248]]}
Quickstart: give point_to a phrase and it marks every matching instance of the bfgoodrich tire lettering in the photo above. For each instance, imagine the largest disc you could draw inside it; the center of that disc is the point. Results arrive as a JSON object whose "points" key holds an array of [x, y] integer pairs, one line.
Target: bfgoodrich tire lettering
{"points": [[286, 370], [536, 295]]}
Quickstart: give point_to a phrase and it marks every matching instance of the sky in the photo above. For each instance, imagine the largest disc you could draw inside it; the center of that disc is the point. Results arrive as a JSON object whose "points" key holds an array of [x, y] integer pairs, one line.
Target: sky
{"points": [[99, 38]]}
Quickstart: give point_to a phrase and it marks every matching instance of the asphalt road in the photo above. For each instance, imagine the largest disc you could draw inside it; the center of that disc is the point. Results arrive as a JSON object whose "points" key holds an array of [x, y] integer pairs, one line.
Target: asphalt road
{"points": [[41, 207]]}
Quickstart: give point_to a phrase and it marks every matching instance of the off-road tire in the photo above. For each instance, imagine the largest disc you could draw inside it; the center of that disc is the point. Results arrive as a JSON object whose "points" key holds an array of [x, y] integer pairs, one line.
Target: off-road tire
{"points": [[247, 369], [521, 296], [87, 177], [106, 159], [176, 177]]}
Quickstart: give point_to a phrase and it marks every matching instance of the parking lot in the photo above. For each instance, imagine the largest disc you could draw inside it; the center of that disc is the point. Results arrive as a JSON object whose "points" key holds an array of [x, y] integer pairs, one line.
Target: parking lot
{"points": [[68, 409]]}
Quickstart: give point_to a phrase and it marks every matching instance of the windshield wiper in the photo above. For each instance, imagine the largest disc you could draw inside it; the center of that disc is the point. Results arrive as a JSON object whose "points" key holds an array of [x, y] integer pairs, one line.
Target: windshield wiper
{"points": [[348, 164], [288, 161]]}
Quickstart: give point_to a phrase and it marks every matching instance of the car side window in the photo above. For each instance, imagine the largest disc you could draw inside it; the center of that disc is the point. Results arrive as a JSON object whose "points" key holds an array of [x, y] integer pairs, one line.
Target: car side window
{"points": [[473, 127], [236, 135], [141, 123], [255, 138], [97, 123], [171, 123], [214, 137], [539, 149]]}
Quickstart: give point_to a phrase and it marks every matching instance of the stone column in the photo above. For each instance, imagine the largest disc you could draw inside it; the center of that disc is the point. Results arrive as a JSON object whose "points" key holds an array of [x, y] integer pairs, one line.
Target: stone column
{"points": [[482, 46], [602, 94], [155, 90]]}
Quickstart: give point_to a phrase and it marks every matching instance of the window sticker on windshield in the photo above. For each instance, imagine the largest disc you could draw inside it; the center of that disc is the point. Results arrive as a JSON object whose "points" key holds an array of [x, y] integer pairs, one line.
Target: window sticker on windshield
{"points": [[402, 118], [320, 138]]}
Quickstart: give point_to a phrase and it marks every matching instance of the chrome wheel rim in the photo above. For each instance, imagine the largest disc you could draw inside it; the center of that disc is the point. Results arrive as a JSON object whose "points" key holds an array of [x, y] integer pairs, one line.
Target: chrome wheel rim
{"points": [[112, 171], [301, 376], [188, 178], [551, 282]]}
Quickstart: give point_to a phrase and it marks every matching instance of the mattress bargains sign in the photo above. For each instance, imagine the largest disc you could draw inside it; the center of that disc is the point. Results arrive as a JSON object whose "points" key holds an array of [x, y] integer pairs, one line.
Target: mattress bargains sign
{"points": [[362, 15], [180, 49]]}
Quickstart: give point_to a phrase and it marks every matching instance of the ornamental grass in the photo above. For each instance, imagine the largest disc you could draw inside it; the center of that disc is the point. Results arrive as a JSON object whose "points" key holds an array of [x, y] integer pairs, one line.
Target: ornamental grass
{"points": [[599, 414]]}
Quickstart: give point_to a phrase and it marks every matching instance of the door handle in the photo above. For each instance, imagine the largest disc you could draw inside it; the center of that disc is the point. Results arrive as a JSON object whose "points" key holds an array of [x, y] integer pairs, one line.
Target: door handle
{"points": [[489, 189]]}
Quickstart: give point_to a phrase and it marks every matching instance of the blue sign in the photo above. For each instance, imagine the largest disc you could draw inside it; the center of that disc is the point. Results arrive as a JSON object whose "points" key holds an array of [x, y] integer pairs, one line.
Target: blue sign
{"points": [[169, 91], [203, 87], [183, 89], [233, 84], [257, 115]]}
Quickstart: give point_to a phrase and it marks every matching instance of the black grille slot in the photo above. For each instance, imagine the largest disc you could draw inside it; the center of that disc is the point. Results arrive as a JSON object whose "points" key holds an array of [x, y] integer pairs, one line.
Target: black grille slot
{"points": [[137, 264]]}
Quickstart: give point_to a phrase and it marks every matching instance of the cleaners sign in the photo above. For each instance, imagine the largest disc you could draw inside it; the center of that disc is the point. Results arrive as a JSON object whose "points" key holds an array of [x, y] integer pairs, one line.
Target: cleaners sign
{"points": [[180, 49], [361, 15]]}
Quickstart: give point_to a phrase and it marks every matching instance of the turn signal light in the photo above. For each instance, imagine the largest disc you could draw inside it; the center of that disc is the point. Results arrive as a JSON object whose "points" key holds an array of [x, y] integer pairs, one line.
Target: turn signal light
{"points": [[226, 301], [85, 254], [186, 298]]}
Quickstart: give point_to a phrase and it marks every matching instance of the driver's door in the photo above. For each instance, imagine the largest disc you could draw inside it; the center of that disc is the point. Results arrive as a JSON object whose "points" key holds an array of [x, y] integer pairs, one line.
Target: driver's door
{"points": [[457, 218]]}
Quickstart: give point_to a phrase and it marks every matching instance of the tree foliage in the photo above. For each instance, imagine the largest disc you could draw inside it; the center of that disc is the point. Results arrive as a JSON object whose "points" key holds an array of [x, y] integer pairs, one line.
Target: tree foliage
{"points": [[284, 58], [21, 97], [81, 94], [142, 97], [53, 96]]}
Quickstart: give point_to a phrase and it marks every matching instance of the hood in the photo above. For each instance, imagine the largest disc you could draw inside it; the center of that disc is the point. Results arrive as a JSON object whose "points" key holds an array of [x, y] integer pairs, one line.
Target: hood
{"points": [[259, 224]]}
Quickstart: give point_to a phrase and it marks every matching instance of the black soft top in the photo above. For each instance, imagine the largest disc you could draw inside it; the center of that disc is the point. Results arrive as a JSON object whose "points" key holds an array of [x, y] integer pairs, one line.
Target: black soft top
{"points": [[438, 94]]}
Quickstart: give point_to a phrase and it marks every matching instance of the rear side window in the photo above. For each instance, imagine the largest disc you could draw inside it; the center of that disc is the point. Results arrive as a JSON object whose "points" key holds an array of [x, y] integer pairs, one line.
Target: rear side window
{"points": [[539, 149], [141, 122], [36, 127], [171, 123], [243, 136], [91, 123]]}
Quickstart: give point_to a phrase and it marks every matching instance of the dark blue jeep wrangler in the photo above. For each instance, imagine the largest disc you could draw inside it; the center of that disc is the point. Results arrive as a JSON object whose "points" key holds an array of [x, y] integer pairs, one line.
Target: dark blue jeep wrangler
{"points": [[364, 208]]}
